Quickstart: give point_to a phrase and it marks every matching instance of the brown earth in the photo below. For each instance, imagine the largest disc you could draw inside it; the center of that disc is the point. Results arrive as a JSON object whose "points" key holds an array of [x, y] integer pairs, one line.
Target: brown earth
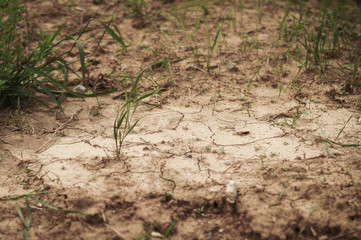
{"points": [[203, 130]]}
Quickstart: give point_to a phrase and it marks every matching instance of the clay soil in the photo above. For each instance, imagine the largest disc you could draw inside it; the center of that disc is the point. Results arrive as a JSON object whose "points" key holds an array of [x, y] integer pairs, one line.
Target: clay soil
{"points": [[249, 117]]}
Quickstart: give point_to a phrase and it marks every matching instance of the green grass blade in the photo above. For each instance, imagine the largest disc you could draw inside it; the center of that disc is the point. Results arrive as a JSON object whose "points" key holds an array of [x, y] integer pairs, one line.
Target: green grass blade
{"points": [[52, 207], [339, 133], [216, 38], [132, 91], [50, 79], [18, 209], [131, 129], [169, 229], [113, 34], [43, 203], [51, 39], [48, 93], [54, 35], [81, 55], [28, 213]]}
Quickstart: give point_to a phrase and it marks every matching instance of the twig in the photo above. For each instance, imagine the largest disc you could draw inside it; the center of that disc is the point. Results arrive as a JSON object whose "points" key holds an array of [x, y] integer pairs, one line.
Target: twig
{"points": [[113, 229]]}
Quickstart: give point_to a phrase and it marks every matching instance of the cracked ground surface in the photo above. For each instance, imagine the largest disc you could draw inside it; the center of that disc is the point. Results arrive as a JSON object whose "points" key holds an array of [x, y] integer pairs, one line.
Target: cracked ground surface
{"points": [[190, 141]]}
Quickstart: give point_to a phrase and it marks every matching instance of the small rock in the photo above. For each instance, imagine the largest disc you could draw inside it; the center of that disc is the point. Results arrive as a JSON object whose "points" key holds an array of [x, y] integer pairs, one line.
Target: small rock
{"points": [[156, 235], [79, 89], [221, 230], [231, 192], [188, 155], [229, 162], [232, 67], [80, 9], [216, 188], [324, 237]]}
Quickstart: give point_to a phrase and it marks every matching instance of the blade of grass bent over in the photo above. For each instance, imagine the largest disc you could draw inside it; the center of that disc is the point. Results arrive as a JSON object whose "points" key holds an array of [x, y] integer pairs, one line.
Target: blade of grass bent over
{"points": [[28, 217]]}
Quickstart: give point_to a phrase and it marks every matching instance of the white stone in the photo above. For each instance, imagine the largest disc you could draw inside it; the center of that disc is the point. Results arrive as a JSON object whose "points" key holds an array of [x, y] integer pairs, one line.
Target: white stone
{"points": [[231, 192], [79, 89]]}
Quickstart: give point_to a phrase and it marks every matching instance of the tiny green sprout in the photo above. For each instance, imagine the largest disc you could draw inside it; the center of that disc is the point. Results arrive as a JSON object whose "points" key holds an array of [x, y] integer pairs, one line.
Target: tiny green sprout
{"points": [[199, 211], [257, 148], [285, 143], [63, 167], [347, 172], [274, 174], [168, 194], [93, 177], [272, 100], [94, 111], [218, 94], [110, 73], [273, 154], [25, 185], [221, 150], [208, 148], [262, 157], [198, 139], [315, 100], [284, 168], [28, 170], [188, 104], [205, 88], [201, 157], [176, 171], [324, 180], [242, 98]]}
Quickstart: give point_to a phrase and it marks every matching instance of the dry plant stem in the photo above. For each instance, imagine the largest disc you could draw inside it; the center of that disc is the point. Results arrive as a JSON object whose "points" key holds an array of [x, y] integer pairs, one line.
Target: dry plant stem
{"points": [[114, 230], [48, 143]]}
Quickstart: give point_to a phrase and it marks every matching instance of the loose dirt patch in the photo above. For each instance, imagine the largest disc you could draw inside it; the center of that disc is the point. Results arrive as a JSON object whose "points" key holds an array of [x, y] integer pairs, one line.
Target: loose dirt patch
{"points": [[203, 130]]}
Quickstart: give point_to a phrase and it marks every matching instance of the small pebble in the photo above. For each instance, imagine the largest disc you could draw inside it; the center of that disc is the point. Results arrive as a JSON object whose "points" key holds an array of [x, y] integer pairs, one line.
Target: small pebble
{"points": [[79, 89], [229, 162], [80, 9], [188, 155], [156, 235], [231, 192]]}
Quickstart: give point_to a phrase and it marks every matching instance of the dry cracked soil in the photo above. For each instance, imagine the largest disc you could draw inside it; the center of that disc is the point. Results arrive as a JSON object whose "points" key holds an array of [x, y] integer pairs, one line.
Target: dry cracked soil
{"points": [[207, 127]]}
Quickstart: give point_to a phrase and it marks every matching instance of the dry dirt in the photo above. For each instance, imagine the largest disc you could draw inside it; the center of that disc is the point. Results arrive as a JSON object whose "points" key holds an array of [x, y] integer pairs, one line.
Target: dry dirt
{"points": [[203, 130]]}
